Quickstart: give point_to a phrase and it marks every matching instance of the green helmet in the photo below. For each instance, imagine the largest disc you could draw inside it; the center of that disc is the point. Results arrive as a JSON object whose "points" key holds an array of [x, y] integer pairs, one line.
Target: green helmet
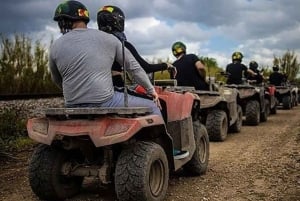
{"points": [[237, 56], [178, 48], [72, 11]]}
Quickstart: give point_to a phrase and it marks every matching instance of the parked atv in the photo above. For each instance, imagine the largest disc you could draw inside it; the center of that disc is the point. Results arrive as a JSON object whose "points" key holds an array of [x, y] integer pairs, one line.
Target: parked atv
{"points": [[253, 102], [219, 110], [124, 146]]}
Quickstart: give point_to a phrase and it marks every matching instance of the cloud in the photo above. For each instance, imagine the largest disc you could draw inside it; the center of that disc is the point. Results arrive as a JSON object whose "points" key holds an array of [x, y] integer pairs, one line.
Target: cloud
{"points": [[258, 28]]}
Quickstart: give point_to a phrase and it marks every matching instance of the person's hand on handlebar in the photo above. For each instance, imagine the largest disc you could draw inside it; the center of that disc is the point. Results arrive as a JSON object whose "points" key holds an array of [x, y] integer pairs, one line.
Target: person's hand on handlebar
{"points": [[172, 69]]}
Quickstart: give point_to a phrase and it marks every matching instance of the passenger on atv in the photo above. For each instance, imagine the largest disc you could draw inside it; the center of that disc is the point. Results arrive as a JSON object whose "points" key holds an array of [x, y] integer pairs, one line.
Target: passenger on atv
{"points": [[81, 59], [236, 69], [258, 78], [111, 20], [276, 78]]}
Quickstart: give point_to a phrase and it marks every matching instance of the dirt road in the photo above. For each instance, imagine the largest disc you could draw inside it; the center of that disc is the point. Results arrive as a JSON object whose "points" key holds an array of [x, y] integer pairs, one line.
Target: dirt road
{"points": [[261, 163]]}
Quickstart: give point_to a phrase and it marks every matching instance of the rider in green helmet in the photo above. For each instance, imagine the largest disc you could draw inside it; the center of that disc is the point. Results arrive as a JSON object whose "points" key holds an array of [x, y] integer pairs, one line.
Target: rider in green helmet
{"points": [[190, 70]]}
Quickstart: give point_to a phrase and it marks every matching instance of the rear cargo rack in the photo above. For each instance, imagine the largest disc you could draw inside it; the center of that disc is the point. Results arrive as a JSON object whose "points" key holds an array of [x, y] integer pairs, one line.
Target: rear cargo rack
{"points": [[97, 111]]}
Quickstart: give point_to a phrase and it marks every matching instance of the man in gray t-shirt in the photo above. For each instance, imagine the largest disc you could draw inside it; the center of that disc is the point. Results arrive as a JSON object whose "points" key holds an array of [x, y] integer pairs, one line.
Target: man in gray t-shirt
{"points": [[80, 63]]}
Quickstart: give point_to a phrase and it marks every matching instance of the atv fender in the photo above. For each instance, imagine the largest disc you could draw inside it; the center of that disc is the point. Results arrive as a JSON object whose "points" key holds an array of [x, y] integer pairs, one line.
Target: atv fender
{"points": [[103, 130]]}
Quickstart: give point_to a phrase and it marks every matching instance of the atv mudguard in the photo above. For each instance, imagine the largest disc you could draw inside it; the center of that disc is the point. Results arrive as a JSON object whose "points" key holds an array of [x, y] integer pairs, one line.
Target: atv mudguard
{"points": [[104, 126]]}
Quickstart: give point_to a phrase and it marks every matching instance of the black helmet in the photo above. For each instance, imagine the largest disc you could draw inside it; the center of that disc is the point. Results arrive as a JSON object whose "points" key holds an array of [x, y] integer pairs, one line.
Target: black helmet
{"points": [[110, 19], [178, 48], [276, 68], [253, 65], [71, 10], [68, 12], [237, 56]]}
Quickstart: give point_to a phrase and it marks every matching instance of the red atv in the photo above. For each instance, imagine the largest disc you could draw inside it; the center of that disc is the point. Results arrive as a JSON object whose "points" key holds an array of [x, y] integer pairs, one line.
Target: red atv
{"points": [[124, 146]]}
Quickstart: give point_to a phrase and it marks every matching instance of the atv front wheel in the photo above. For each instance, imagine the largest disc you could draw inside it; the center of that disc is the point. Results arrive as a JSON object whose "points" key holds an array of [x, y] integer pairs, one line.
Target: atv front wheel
{"points": [[237, 126], [199, 162], [252, 113], [45, 176], [274, 109], [264, 115], [217, 125], [142, 173]]}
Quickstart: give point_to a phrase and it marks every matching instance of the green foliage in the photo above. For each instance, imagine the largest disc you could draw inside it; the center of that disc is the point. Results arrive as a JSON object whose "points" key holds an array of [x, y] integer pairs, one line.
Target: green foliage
{"points": [[12, 125], [288, 64], [23, 67], [17, 144]]}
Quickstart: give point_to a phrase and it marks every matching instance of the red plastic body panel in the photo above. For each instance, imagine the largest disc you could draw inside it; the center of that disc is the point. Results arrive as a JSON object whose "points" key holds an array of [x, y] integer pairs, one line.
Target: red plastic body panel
{"points": [[179, 106], [102, 131], [272, 90]]}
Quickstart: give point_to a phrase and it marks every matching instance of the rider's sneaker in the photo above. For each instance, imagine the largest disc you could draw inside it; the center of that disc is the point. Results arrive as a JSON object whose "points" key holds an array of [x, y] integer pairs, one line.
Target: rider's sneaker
{"points": [[180, 154]]}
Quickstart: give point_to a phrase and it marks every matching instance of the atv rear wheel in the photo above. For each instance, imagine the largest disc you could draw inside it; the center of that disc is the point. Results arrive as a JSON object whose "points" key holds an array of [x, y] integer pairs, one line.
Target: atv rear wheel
{"points": [[252, 113], [264, 115], [274, 109], [237, 126], [217, 125], [199, 162], [142, 173], [45, 176], [286, 102]]}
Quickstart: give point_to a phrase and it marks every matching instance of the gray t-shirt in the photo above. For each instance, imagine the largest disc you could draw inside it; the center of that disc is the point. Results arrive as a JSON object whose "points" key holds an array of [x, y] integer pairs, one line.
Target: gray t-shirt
{"points": [[80, 62]]}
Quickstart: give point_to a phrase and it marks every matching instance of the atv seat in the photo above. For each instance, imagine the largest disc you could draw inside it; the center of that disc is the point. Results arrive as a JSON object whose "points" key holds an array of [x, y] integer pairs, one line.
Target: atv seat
{"points": [[94, 112], [209, 93]]}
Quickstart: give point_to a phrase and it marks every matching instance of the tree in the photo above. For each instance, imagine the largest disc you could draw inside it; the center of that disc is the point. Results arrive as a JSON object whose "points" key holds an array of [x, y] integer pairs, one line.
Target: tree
{"points": [[24, 67], [288, 64]]}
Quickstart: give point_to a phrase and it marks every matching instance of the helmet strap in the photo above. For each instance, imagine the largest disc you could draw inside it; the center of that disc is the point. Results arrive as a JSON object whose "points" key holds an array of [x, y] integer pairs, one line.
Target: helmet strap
{"points": [[65, 25], [120, 35]]}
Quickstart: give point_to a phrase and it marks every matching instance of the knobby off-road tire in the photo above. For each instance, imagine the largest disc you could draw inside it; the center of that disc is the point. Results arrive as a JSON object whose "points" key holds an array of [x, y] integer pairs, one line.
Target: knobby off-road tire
{"points": [[217, 125], [274, 109], [296, 100], [142, 173], [45, 176], [199, 162], [237, 126], [286, 102], [264, 115], [252, 113]]}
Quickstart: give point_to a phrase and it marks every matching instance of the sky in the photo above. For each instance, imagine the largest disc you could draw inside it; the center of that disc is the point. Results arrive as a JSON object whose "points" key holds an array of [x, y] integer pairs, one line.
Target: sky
{"points": [[260, 29]]}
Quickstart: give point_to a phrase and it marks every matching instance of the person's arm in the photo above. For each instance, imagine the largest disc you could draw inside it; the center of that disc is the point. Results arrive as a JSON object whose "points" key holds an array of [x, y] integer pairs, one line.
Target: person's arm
{"points": [[248, 70], [201, 69], [55, 75], [149, 68], [134, 68]]}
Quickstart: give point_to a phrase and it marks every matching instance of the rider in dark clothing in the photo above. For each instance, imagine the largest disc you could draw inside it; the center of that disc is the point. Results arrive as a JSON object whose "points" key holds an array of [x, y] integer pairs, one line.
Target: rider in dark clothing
{"points": [[111, 19], [253, 65], [236, 68], [276, 78], [190, 70]]}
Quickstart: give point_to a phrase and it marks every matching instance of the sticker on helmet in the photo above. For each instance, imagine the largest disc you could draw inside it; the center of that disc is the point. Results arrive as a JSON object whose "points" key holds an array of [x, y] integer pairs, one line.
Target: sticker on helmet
{"points": [[83, 13], [107, 8]]}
